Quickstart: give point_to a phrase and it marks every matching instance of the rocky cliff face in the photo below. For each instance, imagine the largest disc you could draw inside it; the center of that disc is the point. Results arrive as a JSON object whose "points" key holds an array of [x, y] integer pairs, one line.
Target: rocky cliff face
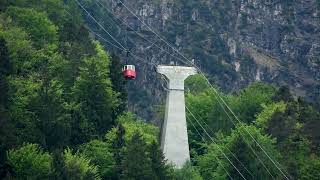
{"points": [[235, 42]]}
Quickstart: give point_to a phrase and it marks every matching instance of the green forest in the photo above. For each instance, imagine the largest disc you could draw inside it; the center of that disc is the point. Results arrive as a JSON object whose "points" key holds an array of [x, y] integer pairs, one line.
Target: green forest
{"points": [[63, 112]]}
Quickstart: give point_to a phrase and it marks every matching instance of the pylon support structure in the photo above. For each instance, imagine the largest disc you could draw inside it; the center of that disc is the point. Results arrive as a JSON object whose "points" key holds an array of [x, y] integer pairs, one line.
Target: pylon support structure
{"points": [[174, 137]]}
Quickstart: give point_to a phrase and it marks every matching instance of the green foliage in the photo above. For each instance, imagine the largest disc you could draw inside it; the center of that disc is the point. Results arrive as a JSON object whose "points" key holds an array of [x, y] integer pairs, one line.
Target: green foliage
{"points": [[118, 83], [78, 166], [47, 121], [133, 125], [94, 97], [37, 24], [55, 9], [213, 164], [99, 154], [283, 94], [158, 163], [277, 115], [5, 71], [201, 103], [292, 124], [8, 137], [187, 172], [297, 152], [245, 105], [249, 101], [310, 169], [196, 84], [136, 164], [59, 88], [5, 64], [117, 148], [22, 93], [268, 111], [20, 49], [31, 162]]}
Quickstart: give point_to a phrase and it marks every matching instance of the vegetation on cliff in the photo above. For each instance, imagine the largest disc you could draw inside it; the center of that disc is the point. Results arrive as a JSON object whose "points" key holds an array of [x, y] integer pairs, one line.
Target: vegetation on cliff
{"points": [[63, 112]]}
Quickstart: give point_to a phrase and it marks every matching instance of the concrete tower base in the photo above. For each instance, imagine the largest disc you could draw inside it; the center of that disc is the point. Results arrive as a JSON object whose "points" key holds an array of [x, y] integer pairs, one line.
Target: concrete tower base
{"points": [[174, 138]]}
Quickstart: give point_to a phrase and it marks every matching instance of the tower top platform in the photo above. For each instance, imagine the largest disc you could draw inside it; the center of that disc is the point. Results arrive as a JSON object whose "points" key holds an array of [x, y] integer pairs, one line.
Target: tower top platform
{"points": [[176, 75]]}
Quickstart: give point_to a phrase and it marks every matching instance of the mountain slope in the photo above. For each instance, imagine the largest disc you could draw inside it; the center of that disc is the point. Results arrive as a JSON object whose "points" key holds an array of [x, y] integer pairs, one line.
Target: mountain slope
{"points": [[234, 42]]}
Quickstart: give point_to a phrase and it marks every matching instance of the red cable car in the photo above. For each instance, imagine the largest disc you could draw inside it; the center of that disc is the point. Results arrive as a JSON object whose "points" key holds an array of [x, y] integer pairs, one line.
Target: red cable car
{"points": [[129, 71]]}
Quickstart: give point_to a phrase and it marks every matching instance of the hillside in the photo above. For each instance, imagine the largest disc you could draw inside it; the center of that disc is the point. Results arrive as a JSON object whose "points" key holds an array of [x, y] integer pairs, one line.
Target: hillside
{"points": [[234, 42], [67, 112]]}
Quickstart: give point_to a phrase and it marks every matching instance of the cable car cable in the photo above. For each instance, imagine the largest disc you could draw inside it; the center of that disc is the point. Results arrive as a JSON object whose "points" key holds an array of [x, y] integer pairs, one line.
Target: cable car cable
{"points": [[217, 159], [191, 65], [280, 66], [141, 59], [152, 30], [209, 85], [246, 141], [208, 127], [152, 43], [215, 143], [167, 89], [241, 124], [99, 23], [109, 42], [163, 77], [138, 58]]}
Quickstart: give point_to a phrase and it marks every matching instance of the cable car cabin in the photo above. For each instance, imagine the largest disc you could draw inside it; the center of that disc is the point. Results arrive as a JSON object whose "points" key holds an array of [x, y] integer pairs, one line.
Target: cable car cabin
{"points": [[129, 72]]}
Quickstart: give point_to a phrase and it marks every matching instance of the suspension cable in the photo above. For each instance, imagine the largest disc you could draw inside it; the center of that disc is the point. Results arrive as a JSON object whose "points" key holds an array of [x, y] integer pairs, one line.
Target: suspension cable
{"points": [[273, 161], [162, 39], [208, 127], [191, 65], [244, 139], [99, 24], [139, 34], [215, 143], [203, 139], [142, 60], [105, 40]]}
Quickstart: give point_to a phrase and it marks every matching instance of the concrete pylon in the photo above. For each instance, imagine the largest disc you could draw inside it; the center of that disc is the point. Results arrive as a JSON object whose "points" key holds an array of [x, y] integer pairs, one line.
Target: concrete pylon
{"points": [[174, 138]]}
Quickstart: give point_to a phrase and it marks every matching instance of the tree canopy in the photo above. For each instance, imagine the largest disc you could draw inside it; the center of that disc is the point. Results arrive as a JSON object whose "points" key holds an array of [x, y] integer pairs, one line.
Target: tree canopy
{"points": [[64, 114]]}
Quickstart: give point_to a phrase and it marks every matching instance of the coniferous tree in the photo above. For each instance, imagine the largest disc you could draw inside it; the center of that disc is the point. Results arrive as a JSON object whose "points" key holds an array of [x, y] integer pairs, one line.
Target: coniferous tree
{"points": [[5, 70], [158, 162], [7, 138], [99, 153], [58, 164], [78, 166], [117, 148], [94, 98], [136, 164], [118, 83]]}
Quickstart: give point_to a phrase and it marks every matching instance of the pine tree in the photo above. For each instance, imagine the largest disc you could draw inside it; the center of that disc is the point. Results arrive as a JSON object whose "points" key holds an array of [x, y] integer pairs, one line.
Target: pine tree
{"points": [[158, 162], [117, 148], [136, 163], [7, 138], [93, 98], [118, 83], [5, 70]]}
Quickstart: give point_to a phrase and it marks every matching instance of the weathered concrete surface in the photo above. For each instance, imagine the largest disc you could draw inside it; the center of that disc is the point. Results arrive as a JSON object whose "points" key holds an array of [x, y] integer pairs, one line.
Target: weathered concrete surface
{"points": [[174, 138]]}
